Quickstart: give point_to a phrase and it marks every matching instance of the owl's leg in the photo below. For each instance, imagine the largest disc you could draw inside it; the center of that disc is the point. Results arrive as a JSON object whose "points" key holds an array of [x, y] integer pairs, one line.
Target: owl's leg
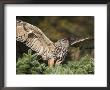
{"points": [[51, 62], [58, 62]]}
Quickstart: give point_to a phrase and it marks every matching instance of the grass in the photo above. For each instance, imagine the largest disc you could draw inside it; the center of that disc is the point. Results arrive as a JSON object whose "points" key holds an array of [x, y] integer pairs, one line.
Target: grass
{"points": [[32, 64]]}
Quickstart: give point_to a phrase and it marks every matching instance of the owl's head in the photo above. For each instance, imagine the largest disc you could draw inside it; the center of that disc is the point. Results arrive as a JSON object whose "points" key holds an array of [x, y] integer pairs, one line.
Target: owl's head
{"points": [[62, 43]]}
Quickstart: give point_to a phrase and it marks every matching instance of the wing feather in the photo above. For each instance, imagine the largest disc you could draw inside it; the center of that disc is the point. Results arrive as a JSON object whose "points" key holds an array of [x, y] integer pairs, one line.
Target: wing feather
{"points": [[36, 40], [81, 40]]}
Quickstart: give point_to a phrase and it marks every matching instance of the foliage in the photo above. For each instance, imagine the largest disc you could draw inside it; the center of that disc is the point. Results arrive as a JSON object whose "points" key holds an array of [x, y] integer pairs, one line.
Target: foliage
{"points": [[33, 64], [29, 64]]}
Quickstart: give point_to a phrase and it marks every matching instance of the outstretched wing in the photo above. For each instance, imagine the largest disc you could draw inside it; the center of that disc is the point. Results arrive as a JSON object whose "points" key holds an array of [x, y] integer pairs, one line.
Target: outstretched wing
{"points": [[82, 40], [34, 38]]}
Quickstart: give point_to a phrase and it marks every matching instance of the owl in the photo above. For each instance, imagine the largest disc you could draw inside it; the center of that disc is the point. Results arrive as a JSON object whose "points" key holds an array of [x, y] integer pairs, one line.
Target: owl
{"points": [[34, 38]]}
